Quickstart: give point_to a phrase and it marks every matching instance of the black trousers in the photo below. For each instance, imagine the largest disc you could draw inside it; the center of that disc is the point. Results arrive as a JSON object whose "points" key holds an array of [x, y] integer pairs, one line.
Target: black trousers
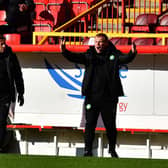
{"points": [[4, 109], [108, 113]]}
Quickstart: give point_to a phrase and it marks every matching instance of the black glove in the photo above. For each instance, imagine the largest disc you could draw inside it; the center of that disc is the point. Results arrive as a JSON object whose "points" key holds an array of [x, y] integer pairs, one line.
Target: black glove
{"points": [[20, 100]]}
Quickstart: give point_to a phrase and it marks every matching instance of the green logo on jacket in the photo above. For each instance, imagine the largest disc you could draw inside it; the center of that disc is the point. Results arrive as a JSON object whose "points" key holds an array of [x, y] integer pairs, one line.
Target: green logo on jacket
{"points": [[111, 57], [88, 106]]}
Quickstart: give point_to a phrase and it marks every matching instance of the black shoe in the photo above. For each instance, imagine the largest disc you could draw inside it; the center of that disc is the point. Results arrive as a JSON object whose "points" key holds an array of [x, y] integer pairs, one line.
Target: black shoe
{"points": [[114, 154], [88, 153]]}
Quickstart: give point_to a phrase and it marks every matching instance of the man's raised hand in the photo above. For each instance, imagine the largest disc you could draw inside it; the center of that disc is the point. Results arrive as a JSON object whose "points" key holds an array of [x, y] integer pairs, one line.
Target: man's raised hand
{"points": [[62, 45], [133, 48]]}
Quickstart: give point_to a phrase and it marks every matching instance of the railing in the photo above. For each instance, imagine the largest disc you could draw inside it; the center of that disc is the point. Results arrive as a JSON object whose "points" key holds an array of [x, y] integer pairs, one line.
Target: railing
{"points": [[75, 19], [163, 36], [110, 16]]}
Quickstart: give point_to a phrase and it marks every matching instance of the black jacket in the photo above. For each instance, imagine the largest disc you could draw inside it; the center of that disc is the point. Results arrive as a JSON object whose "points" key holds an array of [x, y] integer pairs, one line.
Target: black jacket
{"points": [[14, 73], [114, 58], [14, 16]]}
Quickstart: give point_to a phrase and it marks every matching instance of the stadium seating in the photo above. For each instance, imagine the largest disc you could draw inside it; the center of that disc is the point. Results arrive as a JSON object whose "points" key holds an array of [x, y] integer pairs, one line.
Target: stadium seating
{"points": [[63, 12], [38, 9], [55, 1], [89, 2], [41, 1], [42, 13], [54, 9], [42, 26], [159, 41], [44, 20], [119, 41], [78, 8], [143, 41], [51, 14], [88, 41], [163, 24], [114, 40], [162, 28], [145, 23], [12, 39], [2, 17]]}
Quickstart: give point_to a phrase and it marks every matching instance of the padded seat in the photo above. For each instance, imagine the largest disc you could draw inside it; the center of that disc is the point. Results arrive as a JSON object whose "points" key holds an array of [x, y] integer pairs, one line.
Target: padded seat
{"points": [[2, 17], [145, 23], [77, 9], [54, 9], [42, 26], [119, 41], [163, 24], [143, 41], [13, 39], [115, 41], [159, 41], [39, 7], [89, 41]]}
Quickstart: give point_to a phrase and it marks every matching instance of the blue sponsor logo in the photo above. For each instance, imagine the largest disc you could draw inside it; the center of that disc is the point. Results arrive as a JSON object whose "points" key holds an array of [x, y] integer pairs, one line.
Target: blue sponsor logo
{"points": [[63, 83], [123, 71], [59, 75]]}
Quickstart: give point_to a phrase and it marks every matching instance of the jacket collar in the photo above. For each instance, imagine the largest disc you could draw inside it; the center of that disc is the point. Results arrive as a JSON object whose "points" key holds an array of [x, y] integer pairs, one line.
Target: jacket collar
{"points": [[111, 49]]}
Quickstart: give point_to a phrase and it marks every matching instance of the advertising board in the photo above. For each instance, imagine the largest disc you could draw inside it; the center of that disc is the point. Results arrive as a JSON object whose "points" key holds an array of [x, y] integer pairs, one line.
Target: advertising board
{"points": [[53, 92]]}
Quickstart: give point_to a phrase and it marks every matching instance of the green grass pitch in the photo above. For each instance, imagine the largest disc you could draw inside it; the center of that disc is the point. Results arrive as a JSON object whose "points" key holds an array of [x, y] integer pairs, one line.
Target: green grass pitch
{"points": [[33, 161]]}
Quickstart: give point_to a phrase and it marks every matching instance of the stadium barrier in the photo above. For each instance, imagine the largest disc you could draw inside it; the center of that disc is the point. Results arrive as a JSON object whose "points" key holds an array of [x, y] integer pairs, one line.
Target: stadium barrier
{"points": [[100, 134], [163, 36], [128, 135]]}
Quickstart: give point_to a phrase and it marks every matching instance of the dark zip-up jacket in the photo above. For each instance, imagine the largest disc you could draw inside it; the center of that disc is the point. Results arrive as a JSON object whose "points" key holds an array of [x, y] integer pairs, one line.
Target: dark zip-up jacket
{"points": [[114, 58], [14, 73], [14, 16]]}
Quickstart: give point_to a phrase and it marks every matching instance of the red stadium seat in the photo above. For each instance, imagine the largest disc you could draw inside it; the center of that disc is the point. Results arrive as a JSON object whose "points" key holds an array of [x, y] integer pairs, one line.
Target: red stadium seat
{"points": [[88, 41], [38, 9], [12, 39], [42, 14], [2, 17], [78, 8], [143, 41], [115, 41], [54, 9], [119, 41], [145, 23], [56, 1], [63, 12], [164, 20], [159, 41], [42, 26], [87, 1], [162, 28], [47, 17], [163, 24], [41, 1]]}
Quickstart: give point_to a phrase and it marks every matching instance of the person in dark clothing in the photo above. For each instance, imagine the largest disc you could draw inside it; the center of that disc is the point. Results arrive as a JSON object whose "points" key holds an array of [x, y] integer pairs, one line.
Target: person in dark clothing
{"points": [[11, 82], [101, 86], [19, 18]]}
